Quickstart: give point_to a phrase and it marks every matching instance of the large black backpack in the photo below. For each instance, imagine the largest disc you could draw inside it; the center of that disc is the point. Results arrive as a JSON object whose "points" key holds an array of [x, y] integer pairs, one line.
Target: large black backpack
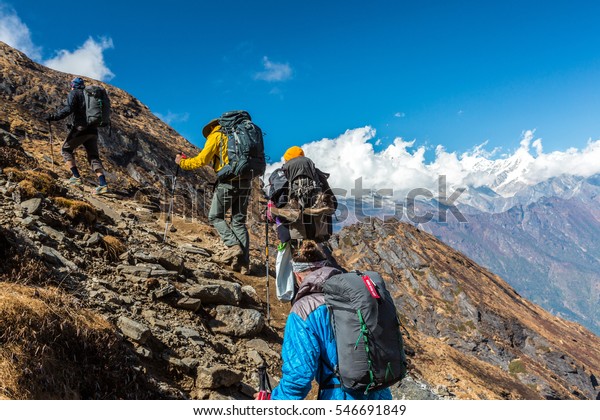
{"points": [[370, 349], [97, 106], [245, 147]]}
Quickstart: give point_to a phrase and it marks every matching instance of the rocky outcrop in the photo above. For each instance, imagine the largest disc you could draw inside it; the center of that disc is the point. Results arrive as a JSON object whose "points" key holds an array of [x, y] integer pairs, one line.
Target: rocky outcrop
{"points": [[180, 312], [138, 151]]}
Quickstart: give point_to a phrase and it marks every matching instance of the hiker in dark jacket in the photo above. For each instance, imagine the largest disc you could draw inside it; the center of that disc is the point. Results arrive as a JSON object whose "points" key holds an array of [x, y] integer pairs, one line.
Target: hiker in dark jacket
{"points": [[309, 349], [310, 191], [80, 135], [301, 205]]}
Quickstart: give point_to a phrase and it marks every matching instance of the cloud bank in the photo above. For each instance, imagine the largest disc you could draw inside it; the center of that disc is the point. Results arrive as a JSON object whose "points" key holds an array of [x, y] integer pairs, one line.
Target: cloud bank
{"points": [[87, 60], [403, 167]]}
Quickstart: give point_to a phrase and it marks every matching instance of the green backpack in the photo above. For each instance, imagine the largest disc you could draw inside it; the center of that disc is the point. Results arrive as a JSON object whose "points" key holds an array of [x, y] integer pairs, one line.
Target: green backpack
{"points": [[245, 147], [97, 106]]}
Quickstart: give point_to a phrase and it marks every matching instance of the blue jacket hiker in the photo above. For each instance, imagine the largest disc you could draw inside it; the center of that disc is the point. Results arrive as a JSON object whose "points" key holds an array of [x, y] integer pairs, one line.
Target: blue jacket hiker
{"points": [[309, 349]]}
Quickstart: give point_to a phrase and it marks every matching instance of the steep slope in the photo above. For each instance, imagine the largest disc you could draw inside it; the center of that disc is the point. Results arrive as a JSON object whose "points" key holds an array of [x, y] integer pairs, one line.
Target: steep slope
{"points": [[138, 152], [469, 330]]}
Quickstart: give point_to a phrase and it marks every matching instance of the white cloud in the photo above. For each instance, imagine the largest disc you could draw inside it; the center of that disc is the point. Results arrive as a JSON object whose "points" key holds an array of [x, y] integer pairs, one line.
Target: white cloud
{"points": [[402, 166], [399, 115], [274, 72], [16, 34], [173, 117], [87, 60]]}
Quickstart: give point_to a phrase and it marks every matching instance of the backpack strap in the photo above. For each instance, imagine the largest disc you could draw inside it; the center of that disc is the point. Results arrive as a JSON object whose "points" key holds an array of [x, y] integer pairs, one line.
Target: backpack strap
{"points": [[327, 382]]}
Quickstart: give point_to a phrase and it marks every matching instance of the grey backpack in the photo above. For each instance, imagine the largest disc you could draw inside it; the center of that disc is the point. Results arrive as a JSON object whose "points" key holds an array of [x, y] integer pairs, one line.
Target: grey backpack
{"points": [[97, 106], [370, 349]]}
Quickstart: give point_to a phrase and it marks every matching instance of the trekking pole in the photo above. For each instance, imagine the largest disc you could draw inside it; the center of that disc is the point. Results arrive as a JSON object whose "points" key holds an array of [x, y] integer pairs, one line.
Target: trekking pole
{"points": [[51, 142], [264, 385], [267, 263], [172, 200]]}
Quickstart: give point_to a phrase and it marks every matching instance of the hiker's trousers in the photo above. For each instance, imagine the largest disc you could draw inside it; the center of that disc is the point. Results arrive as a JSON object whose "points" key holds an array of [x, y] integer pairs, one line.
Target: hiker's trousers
{"points": [[86, 137], [231, 196]]}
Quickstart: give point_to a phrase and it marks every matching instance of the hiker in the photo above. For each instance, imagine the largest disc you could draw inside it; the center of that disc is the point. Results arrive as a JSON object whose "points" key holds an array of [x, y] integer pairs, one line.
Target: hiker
{"points": [[309, 350], [301, 205], [230, 193], [80, 134], [309, 192]]}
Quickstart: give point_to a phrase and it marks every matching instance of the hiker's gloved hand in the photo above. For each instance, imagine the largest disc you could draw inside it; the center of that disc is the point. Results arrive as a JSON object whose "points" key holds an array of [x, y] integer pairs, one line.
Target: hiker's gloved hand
{"points": [[270, 205]]}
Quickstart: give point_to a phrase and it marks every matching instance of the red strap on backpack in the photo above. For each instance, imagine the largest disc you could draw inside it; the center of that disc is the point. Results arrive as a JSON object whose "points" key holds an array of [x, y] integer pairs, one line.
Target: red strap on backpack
{"points": [[370, 286]]}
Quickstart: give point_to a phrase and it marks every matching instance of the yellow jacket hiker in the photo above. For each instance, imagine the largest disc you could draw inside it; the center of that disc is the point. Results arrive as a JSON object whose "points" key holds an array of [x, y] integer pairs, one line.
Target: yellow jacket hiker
{"points": [[228, 195], [214, 152]]}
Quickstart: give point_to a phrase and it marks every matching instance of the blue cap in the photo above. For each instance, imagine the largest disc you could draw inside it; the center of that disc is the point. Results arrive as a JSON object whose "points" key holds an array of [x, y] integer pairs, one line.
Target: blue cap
{"points": [[77, 83]]}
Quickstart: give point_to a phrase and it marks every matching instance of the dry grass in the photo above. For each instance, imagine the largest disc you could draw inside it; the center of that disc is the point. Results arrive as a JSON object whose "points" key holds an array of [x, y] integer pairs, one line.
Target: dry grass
{"points": [[114, 247], [51, 350], [27, 189], [78, 211], [21, 264], [13, 157], [32, 182]]}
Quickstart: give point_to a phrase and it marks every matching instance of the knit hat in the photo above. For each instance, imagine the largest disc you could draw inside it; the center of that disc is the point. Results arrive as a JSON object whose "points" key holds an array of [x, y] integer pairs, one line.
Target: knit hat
{"points": [[77, 83], [293, 152], [208, 128]]}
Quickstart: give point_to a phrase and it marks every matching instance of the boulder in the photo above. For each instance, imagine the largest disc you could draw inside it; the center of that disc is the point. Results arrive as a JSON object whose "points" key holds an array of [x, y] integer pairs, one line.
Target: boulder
{"points": [[137, 331], [217, 292], [171, 261], [33, 205], [219, 376], [237, 322]]}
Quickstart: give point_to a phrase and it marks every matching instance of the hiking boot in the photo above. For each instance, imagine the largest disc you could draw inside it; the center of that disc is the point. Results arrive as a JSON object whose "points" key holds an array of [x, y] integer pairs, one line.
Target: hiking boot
{"points": [[236, 265], [102, 189], [231, 253], [75, 181], [246, 270], [239, 267]]}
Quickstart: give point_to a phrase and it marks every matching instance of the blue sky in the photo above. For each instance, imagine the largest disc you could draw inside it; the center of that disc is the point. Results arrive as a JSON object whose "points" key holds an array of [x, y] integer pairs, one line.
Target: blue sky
{"points": [[451, 73]]}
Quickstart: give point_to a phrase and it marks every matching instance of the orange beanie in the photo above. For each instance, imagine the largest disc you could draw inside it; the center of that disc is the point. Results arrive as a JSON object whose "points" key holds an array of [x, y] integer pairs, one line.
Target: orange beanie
{"points": [[293, 152]]}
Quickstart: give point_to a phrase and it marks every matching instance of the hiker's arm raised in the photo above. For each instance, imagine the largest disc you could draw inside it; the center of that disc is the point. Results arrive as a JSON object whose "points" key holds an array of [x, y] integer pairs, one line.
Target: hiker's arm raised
{"points": [[206, 155]]}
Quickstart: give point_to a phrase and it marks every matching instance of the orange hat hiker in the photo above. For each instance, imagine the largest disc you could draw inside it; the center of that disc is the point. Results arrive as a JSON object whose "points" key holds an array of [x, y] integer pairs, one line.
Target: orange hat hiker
{"points": [[293, 152]]}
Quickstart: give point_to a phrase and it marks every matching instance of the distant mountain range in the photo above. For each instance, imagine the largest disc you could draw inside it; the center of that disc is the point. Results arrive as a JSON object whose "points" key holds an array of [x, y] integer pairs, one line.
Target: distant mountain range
{"points": [[543, 238]]}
